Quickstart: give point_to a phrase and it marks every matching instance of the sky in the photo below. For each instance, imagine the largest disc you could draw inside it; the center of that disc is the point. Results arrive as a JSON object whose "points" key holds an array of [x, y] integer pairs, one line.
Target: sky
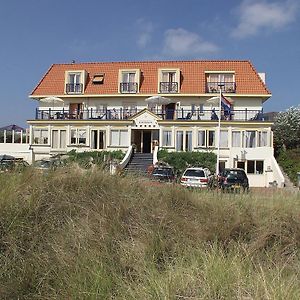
{"points": [[37, 33]]}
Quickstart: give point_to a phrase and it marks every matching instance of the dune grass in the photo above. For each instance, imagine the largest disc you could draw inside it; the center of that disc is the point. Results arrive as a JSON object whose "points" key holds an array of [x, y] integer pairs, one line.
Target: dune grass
{"points": [[87, 235]]}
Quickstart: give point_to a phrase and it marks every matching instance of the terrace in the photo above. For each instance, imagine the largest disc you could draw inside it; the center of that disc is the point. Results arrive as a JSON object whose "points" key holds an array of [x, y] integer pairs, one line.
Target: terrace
{"points": [[165, 114]]}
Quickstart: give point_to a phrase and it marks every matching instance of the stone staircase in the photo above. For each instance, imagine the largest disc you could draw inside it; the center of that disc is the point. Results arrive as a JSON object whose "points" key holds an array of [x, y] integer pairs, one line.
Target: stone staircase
{"points": [[139, 163]]}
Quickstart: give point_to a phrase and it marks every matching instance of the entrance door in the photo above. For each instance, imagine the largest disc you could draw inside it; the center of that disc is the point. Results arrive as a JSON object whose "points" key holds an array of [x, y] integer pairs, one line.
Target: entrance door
{"points": [[146, 141]]}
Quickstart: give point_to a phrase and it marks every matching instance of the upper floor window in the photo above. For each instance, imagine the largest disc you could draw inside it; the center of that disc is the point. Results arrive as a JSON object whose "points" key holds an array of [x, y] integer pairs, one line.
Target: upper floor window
{"points": [[75, 81], [216, 80], [129, 81], [169, 81]]}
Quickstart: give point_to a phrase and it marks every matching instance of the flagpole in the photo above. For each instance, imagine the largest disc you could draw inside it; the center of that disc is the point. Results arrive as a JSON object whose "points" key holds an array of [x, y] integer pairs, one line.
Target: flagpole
{"points": [[219, 130]]}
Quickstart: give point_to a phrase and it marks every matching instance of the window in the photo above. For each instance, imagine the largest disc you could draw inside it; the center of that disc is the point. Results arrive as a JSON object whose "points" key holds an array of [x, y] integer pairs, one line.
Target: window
{"points": [[97, 139], [98, 78], [250, 139], [184, 140], [223, 139], [59, 139], [262, 139], [74, 82], [206, 138], [215, 79], [211, 138], [169, 81], [255, 166], [201, 138], [179, 141], [40, 136], [78, 136], [129, 81], [167, 138], [236, 139], [119, 138]]}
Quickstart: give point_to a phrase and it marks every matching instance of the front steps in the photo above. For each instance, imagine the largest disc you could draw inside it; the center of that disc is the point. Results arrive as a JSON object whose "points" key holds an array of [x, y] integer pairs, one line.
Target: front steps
{"points": [[139, 163]]}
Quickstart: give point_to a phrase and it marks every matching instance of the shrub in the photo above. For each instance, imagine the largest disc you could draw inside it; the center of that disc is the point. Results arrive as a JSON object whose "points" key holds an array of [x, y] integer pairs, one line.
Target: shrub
{"points": [[181, 160], [289, 160], [98, 157]]}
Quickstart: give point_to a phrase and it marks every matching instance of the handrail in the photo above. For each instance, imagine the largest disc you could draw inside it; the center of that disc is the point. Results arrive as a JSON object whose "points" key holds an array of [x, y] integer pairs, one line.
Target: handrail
{"points": [[126, 158], [155, 152]]}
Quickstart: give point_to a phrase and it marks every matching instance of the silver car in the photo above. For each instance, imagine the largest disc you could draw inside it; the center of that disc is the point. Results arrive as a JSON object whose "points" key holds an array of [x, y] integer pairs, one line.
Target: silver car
{"points": [[195, 177]]}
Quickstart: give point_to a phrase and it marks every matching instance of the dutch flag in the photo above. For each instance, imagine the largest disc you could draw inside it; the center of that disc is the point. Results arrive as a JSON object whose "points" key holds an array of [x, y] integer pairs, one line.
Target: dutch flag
{"points": [[226, 105]]}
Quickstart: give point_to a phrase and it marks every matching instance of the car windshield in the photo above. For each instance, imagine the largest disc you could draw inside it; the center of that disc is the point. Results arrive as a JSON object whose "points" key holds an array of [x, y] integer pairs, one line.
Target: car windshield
{"points": [[162, 171], [42, 164], [194, 173]]}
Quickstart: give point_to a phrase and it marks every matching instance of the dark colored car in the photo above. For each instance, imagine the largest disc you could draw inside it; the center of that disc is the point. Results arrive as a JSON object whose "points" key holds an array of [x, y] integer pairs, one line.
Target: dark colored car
{"points": [[163, 174], [233, 179]]}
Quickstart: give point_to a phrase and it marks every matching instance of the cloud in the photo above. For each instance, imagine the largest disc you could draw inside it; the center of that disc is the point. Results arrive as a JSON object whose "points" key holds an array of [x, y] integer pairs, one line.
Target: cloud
{"points": [[145, 34], [180, 42], [256, 16]]}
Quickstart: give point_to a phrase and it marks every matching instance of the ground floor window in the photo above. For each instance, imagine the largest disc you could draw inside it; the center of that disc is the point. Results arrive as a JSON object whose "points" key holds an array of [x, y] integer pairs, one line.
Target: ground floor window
{"points": [[98, 139], [184, 140], [255, 166], [167, 138], [119, 138], [223, 139], [59, 139], [40, 136], [78, 136]]}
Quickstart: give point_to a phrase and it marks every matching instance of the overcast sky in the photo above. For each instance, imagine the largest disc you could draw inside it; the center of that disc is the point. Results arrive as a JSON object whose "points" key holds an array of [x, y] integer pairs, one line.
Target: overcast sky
{"points": [[37, 33]]}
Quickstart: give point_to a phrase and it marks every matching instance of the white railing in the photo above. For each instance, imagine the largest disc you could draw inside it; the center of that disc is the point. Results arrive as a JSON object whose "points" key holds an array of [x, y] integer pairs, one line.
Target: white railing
{"points": [[155, 152], [126, 158]]}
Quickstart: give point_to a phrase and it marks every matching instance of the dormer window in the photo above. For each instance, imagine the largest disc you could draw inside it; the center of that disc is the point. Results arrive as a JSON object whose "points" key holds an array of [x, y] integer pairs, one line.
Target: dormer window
{"points": [[169, 81], [129, 81], [98, 78], [75, 82], [223, 80]]}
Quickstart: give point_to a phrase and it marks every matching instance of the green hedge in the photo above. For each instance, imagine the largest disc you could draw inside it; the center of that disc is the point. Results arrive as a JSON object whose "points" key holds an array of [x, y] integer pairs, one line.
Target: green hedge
{"points": [[181, 160], [289, 160], [98, 157]]}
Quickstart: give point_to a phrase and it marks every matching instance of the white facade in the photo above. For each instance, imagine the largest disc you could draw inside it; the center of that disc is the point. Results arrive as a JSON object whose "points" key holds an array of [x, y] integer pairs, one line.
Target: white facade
{"points": [[87, 121]]}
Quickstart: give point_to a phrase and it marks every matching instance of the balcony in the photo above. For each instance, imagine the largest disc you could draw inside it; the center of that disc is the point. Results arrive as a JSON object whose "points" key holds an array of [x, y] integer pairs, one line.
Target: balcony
{"points": [[128, 87], [168, 87], [74, 88], [226, 87], [165, 114]]}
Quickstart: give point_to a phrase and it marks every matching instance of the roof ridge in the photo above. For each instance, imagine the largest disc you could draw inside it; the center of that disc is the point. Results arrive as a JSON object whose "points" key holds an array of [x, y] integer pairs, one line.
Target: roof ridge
{"points": [[151, 61]]}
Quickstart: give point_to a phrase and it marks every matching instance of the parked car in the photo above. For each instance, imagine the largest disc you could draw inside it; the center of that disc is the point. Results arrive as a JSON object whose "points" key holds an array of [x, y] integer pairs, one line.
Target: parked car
{"points": [[233, 179], [196, 177], [163, 173], [15, 164], [47, 164]]}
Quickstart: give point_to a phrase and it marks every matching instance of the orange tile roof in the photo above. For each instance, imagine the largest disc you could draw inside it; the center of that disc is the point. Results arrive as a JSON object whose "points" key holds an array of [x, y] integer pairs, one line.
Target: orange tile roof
{"points": [[192, 77]]}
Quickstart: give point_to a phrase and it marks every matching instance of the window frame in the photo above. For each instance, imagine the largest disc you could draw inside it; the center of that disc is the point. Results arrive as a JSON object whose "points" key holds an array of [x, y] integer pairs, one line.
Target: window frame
{"points": [[137, 74]]}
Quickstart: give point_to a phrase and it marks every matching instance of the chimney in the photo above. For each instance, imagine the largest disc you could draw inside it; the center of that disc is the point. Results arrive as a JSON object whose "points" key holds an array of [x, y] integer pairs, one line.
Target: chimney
{"points": [[262, 77]]}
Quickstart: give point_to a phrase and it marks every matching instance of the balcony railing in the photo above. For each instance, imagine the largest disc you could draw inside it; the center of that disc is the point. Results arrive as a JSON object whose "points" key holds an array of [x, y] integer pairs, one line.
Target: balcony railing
{"points": [[226, 87], [168, 87], [74, 88], [129, 87], [165, 114]]}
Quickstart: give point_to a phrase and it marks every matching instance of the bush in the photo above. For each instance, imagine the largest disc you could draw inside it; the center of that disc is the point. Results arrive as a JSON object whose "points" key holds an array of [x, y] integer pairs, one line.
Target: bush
{"points": [[181, 160], [98, 157], [289, 160]]}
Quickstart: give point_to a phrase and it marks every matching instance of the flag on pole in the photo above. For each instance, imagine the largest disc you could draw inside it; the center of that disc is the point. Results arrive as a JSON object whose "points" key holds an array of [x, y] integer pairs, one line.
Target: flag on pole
{"points": [[226, 106]]}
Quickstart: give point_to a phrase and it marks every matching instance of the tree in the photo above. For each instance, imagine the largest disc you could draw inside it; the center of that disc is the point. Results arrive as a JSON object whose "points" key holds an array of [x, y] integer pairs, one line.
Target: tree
{"points": [[287, 129]]}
